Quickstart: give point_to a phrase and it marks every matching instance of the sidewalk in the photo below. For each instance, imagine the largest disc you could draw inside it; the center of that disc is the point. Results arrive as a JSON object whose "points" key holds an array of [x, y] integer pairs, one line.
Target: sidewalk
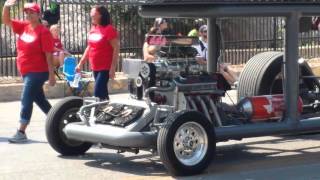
{"points": [[12, 91]]}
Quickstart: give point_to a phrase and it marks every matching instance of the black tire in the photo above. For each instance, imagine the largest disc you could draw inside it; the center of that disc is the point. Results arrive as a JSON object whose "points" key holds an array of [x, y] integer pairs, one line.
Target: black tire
{"points": [[262, 75], [259, 76], [139, 93], [58, 117], [165, 143], [139, 89], [150, 81]]}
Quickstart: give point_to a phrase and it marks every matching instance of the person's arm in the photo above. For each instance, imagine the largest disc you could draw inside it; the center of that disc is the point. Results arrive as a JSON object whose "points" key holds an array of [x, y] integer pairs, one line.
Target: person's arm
{"points": [[233, 73], [200, 58], [6, 19], [146, 56], [116, 49], [228, 73], [83, 59], [52, 78], [47, 47]]}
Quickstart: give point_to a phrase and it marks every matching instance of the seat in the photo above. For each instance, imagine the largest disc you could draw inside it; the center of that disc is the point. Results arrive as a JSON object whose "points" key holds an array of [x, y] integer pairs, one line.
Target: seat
{"points": [[69, 68], [69, 72]]}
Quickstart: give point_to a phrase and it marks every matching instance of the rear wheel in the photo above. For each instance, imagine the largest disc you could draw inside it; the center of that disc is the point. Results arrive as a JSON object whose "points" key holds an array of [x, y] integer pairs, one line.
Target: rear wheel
{"points": [[263, 75], [186, 145], [59, 116]]}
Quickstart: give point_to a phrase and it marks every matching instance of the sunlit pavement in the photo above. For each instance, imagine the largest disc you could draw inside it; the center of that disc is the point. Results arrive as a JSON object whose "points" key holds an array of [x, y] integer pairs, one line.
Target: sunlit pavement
{"points": [[276, 157]]}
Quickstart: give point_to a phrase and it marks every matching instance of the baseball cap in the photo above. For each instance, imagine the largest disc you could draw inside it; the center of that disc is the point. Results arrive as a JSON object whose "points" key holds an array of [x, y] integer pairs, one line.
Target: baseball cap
{"points": [[34, 7], [203, 28]]}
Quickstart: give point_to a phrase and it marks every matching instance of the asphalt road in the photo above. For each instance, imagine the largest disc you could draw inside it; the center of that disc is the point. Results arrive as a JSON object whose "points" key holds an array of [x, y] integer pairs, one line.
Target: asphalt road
{"points": [[289, 157]]}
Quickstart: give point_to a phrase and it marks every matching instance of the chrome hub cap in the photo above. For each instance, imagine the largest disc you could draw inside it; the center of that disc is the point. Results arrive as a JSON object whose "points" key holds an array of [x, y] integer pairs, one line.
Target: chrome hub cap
{"points": [[190, 143]]}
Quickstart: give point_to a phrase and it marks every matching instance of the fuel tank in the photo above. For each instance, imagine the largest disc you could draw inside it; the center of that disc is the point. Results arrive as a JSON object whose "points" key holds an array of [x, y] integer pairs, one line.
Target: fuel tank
{"points": [[261, 108]]}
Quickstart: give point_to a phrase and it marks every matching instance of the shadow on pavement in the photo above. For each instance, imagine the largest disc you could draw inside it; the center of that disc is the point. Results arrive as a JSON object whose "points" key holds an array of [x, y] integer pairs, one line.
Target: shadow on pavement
{"points": [[4, 139], [30, 141], [263, 155], [231, 160], [144, 164]]}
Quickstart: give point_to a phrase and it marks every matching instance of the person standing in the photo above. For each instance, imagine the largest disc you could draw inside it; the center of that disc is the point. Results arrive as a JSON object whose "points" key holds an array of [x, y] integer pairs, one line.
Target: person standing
{"points": [[102, 51], [34, 62], [202, 48], [159, 27]]}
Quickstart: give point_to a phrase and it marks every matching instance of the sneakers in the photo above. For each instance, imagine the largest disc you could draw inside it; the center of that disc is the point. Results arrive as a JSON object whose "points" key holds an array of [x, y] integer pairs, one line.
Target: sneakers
{"points": [[19, 137]]}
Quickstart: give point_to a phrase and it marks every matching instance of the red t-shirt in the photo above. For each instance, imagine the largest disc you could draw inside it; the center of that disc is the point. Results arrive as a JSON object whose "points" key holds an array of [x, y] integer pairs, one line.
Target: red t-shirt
{"points": [[57, 43], [101, 51], [32, 43]]}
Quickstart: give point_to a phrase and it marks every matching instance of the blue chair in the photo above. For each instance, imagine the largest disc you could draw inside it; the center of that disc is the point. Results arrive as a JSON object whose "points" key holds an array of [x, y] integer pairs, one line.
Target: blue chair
{"points": [[69, 72], [69, 66]]}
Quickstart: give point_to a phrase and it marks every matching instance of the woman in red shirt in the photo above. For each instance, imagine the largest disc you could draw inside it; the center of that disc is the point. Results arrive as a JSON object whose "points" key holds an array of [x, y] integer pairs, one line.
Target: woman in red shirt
{"points": [[34, 61], [102, 50]]}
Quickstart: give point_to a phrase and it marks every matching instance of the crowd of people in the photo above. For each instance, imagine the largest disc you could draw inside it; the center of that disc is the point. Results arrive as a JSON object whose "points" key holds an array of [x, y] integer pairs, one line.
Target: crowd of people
{"points": [[40, 51]]}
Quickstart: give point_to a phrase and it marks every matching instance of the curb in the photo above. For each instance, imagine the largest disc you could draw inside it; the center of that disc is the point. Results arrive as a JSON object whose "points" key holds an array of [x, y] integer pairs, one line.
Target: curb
{"points": [[12, 92]]}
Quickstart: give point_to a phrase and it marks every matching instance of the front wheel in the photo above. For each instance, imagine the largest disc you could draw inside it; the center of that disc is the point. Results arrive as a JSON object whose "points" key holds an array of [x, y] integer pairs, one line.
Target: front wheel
{"points": [[186, 144], [58, 117]]}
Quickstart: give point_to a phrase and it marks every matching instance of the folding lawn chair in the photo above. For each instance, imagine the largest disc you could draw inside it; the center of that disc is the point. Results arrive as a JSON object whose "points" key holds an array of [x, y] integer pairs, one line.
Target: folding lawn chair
{"points": [[69, 72]]}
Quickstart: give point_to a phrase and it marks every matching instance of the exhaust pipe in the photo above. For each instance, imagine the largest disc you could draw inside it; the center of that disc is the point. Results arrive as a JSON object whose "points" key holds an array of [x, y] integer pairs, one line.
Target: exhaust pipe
{"points": [[204, 108], [192, 103], [215, 111], [110, 135]]}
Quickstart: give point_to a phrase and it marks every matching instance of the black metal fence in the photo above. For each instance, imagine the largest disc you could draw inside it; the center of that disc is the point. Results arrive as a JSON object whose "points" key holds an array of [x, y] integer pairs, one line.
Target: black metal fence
{"points": [[243, 37]]}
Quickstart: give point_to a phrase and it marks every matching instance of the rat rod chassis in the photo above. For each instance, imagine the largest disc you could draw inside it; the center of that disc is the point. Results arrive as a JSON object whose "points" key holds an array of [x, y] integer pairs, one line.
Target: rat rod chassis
{"points": [[184, 137]]}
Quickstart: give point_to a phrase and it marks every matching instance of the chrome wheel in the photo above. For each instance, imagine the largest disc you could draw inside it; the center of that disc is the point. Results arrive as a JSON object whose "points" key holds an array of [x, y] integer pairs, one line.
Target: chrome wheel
{"points": [[190, 143]]}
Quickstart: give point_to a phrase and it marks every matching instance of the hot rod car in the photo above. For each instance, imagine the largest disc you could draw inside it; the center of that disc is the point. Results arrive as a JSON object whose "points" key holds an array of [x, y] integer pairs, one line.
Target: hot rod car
{"points": [[187, 116]]}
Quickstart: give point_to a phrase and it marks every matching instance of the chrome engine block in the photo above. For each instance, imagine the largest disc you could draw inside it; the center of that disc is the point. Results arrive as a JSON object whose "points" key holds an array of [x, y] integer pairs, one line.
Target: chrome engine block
{"points": [[168, 69]]}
